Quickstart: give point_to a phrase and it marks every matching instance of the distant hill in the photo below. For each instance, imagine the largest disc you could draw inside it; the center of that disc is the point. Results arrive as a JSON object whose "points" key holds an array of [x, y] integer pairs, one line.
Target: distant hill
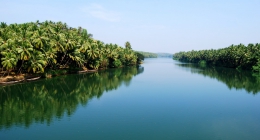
{"points": [[155, 55], [164, 55], [148, 54]]}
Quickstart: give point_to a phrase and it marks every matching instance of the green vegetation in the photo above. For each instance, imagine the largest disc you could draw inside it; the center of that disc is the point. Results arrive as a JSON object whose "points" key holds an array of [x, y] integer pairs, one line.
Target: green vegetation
{"points": [[37, 47], [148, 54], [47, 99], [233, 78], [234, 56]]}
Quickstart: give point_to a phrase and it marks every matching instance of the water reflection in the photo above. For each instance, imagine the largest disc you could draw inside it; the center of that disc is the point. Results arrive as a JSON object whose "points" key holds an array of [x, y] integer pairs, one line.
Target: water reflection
{"points": [[231, 77], [44, 100]]}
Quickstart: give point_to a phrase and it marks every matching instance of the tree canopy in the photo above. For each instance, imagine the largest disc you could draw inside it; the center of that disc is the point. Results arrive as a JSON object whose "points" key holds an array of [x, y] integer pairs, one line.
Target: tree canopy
{"points": [[128, 45]]}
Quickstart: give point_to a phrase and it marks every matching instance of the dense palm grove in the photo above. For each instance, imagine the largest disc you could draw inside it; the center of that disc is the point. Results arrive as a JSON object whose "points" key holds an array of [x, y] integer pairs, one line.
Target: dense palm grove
{"points": [[234, 56], [39, 46]]}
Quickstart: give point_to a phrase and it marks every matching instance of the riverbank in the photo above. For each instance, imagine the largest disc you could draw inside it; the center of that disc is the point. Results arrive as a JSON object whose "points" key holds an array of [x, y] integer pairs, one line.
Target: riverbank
{"points": [[29, 77]]}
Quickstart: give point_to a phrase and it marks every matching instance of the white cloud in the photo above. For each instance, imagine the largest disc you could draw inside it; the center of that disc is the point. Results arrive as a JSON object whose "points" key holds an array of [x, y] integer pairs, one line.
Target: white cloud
{"points": [[99, 12]]}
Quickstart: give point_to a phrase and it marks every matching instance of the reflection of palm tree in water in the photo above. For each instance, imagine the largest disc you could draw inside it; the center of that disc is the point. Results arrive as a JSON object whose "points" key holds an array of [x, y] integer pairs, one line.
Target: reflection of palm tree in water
{"points": [[231, 77], [41, 101]]}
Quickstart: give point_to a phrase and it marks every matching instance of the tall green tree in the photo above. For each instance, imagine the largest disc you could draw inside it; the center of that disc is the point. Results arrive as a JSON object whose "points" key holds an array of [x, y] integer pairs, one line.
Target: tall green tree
{"points": [[128, 45]]}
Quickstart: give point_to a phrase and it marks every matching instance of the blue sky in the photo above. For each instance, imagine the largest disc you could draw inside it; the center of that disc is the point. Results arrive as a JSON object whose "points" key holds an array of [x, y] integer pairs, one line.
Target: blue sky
{"points": [[149, 25]]}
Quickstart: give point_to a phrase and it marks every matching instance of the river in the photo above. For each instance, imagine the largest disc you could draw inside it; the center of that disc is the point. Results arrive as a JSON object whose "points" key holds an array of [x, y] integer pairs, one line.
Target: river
{"points": [[161, 99]]}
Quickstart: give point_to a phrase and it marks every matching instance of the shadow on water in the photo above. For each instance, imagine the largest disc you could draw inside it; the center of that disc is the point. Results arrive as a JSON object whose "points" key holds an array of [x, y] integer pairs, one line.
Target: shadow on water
{"points": [[42, 101], [233, 78]]}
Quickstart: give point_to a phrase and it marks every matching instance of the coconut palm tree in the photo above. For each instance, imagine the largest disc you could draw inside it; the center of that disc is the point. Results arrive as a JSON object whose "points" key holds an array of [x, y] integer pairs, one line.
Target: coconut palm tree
{"points": [[36, 62], [128, 45], [93, 51], [9, 61], [39, 39]]}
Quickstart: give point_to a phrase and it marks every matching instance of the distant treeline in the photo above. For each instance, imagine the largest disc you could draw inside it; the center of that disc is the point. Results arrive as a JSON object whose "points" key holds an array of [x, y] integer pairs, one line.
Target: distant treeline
{"points": [[148, 54], [234, 56], [164, 55]]}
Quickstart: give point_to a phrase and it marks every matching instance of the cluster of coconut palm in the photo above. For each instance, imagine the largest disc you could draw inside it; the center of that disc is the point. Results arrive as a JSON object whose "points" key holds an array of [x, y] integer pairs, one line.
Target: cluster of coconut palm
{"points": [[234, 56], [39, 46]]}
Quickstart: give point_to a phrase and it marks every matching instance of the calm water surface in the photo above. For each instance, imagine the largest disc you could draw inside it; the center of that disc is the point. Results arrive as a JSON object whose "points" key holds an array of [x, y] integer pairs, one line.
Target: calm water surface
{"points": [[163, 99]]}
